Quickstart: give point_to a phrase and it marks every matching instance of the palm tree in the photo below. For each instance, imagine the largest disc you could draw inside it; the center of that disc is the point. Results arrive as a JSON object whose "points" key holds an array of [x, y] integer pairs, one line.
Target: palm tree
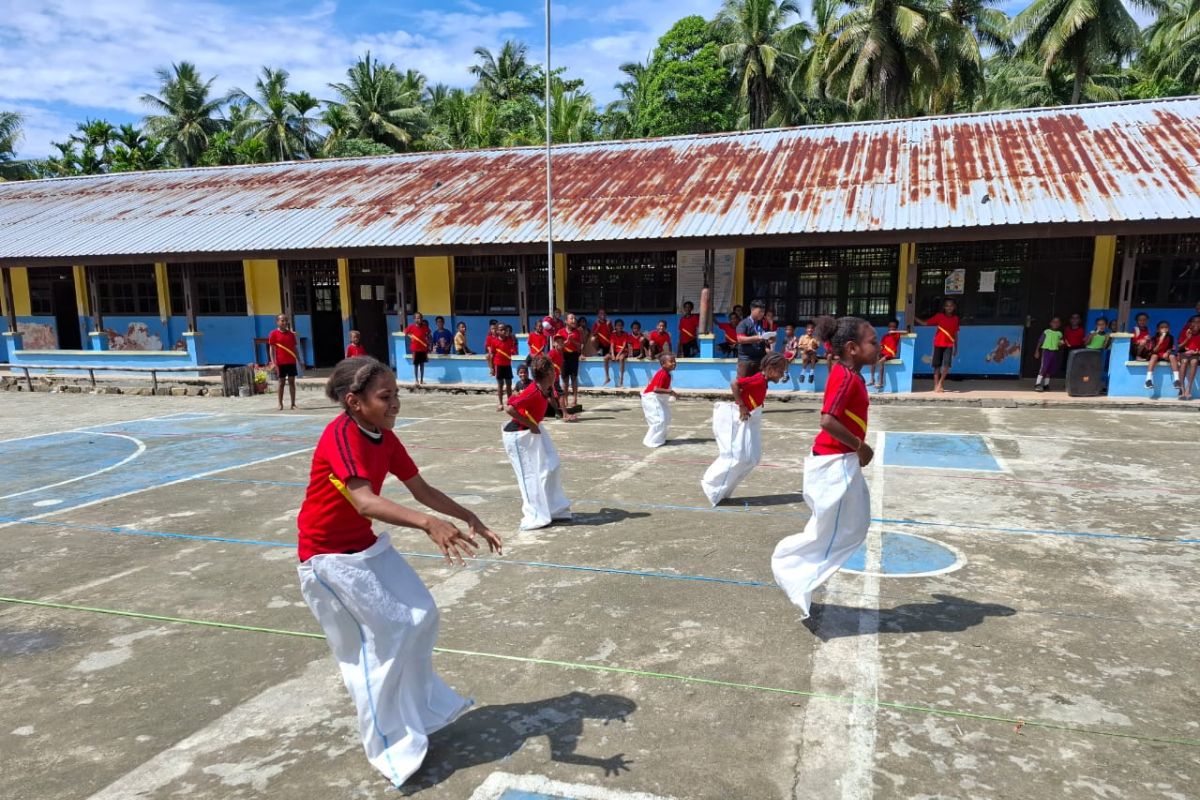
{"points": [[882, 53], [337, 123], [380, 105], [187, 114], [10, 134], [507, 76], [573, 115], [1021, 83], [623, 116], [95, 139], [759, 35], [1172, 51], [807, 96], [271, 117], [963, 31], [134, 151], [1080, 34], [306, 126]]}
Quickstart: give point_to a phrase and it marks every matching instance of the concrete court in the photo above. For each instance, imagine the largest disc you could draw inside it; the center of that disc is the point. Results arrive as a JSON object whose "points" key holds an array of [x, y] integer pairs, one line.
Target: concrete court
{"points": [[1062, 601]]}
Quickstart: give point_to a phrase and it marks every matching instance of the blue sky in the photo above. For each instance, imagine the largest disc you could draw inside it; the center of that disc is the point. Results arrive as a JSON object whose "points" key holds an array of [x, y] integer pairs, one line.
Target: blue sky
{"points": [[62, 61]]}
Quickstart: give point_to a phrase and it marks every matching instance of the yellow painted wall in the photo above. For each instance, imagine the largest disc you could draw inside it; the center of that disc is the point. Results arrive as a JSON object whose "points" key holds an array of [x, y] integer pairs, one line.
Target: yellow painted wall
{"points": [[902, 278], [262, 287], [560, 280], [164, 292], [435, 285], [344, 286], [739, 277], [81, 291], [20, 290], [3, 295], [1102, 271]]}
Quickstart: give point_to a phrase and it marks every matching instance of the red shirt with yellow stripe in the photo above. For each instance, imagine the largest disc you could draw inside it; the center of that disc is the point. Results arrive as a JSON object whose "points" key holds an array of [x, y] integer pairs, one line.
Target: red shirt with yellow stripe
{"points": [[946, 334], [890, 346], [329, 522], [418, 338], [531, 405], [503, 350], [846, 399], [753, 391]]}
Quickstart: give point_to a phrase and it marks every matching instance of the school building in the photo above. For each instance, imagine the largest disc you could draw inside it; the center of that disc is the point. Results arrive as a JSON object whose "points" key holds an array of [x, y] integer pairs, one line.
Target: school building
{"points": [[1018, 215]]}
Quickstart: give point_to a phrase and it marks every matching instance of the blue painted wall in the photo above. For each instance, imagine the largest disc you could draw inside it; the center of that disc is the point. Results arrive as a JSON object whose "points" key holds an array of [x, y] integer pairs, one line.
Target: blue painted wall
{"points": [[1127, 376], [982, 350]]}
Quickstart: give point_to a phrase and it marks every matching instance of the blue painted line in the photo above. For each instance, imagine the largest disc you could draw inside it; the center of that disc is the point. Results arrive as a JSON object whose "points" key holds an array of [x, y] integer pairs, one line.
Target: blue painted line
{"points": [[521, 794], [903, 554], [154, 534], [1039, 531], [939, 451]]}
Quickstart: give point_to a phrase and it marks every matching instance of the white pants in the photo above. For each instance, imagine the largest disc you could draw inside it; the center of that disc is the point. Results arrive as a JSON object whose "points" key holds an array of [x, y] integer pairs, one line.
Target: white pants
{"points": [[739, 449], [837, 493], [381, 624], [536, 463], [658, 418]]}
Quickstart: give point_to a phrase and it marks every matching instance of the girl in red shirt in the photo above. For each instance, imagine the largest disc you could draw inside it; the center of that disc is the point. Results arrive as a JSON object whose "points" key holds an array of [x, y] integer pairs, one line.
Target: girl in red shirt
{"points": [[532, 453], [945, 342], [618, 353], [504, 350], [418, 345], [889, 348], [379, 619], [654, 402], [834, 486], [1162, 346]]}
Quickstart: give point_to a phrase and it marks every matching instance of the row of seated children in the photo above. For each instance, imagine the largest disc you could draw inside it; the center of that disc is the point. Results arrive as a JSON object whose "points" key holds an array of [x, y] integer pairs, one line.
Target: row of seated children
{"points": [[1055, 341], [1182, 353], [804, 350]]}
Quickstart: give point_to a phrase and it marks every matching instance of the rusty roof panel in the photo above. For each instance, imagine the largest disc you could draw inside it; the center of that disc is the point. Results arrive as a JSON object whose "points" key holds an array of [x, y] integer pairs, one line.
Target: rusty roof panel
{"points": [[1109, 163]]}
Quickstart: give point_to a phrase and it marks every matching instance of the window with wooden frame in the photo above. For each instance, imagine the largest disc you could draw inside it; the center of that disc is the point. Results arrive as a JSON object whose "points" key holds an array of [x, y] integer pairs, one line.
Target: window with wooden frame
{"points": [[126, 290], [803, 283], [489, 284], [41, 288], [622, 283], [1167, 272], [315, 286], [382, 272], [219, 288]]}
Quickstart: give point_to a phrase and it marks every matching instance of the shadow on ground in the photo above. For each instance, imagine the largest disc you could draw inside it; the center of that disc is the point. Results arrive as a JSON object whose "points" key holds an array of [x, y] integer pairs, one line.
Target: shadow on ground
{"points": [[495, 733], [765, 500], [946, 615], [694, 440], [605, 516]]}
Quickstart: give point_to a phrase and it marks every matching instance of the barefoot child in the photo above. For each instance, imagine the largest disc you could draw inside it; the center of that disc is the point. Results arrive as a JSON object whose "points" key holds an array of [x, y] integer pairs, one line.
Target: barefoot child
{"points": [[737, 427], [418, 345], [531, 451], [945, 341], [355, 347], [504, 349], [379, 619], [619, 351], [1189, 356], [889, 348], [654, 403], [283, 353], [834, 486]]}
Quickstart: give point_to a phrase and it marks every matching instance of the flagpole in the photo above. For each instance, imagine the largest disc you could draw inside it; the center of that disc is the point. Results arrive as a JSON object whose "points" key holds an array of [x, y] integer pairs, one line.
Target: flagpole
{"points": [[549, 182]]}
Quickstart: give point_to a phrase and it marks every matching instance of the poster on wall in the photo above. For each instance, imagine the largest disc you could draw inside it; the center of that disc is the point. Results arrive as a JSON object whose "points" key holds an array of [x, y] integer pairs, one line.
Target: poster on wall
{"points": [[689, 281], [956, 282], [987, 281]]}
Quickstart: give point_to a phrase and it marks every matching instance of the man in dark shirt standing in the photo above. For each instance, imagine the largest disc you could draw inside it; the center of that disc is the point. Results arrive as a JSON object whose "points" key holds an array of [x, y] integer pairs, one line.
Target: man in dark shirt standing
{"points": [[752, 340]]}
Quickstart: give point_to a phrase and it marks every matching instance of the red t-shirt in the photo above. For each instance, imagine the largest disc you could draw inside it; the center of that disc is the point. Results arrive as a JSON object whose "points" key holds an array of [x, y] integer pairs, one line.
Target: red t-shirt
{"points": [[729, 331], [1162, 346], [619, 340], [556, 358], [947, 329], [329, 522], [754, 390], [537, 344], [661, 380], [531, 403], [1188, 340], [284, 345], [556, 324], [1074, 337], [503, 351], [353, 350], [1140, 335], [572, 339], [689, 327], [660, 338], [846, 399], [603, 332], [890, 346], [636, 340], [418, 338], [489, 343]]}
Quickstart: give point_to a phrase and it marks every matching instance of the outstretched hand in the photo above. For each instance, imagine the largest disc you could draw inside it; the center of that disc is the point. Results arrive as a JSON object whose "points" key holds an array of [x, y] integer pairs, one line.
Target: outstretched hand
{"points": [[490, 536], [454, 544]]}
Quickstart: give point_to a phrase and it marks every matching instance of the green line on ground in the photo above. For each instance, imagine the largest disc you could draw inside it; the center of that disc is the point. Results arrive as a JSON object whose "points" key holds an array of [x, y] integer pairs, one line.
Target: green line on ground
{"points": [[879, 704]]}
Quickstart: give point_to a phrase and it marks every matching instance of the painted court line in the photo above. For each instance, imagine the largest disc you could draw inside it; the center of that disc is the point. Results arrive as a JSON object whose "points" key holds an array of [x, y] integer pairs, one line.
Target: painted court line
{"points": [[875, 703], [141, 448]]}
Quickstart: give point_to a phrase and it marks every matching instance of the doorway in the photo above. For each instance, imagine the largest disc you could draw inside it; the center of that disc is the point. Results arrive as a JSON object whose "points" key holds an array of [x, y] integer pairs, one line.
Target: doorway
{"points": [[1059, 282], [52, 294], [315, 292], [373, 293]]}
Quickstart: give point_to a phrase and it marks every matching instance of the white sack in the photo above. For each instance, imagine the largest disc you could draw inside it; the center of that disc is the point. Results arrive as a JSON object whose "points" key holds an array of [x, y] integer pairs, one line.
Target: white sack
{"points": [[739, 449], [658, 418], [381, 624], [836, 491], [535, 461]]}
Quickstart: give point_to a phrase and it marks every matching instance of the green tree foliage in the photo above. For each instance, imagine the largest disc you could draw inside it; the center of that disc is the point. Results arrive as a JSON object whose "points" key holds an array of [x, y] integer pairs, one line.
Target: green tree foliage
{"points": [[186, 115], [760, 38], [11, 168], [382, 106], [686, 87]]}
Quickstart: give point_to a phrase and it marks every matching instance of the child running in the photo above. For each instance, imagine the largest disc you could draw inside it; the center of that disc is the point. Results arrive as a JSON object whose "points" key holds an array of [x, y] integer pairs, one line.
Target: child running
{"points": [[834, 486], [532, 453], [889, 348], [379, 619], [654, 404], [737, 427], [1162, 346], [1050, 345], [504, 347]]}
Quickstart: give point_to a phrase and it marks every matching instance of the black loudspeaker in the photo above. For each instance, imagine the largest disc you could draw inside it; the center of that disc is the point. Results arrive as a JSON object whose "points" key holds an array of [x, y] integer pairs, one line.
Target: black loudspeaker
{"points": [[1085, 373]]}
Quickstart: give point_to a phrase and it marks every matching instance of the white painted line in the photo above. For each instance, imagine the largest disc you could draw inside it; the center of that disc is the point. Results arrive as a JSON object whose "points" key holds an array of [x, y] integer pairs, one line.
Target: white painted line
{"points": [[90, 428], [499, 782], [141, 448]]}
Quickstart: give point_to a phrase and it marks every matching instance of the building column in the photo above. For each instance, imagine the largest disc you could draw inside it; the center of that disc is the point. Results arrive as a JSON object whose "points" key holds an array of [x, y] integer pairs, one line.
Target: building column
{"points": [[18, 285], [739, 278], [264, 296], [902, 299], [1103, 257], [1125, 295], [560, 281], [910, 287], [82, 306], [7, 305], [435, 285], [164, 293]]}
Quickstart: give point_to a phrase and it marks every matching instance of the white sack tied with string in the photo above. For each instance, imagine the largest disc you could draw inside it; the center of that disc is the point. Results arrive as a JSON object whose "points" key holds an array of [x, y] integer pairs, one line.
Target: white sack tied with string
{"points": [[836, 491], [381, 624], [539, 474], [739, 449], [658, 419]]}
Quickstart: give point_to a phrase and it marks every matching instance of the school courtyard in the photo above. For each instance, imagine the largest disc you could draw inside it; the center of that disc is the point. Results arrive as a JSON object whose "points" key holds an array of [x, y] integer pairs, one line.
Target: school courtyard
{"points": [[1022, 622]]}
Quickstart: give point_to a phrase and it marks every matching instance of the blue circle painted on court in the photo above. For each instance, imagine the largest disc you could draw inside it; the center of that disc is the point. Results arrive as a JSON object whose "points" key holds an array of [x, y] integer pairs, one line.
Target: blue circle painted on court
{"points": [[906, 554], [30, 464]]}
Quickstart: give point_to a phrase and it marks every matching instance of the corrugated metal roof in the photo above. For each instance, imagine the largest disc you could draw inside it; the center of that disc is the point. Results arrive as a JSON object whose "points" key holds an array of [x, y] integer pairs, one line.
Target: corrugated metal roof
{"points": [[1114, 163]]}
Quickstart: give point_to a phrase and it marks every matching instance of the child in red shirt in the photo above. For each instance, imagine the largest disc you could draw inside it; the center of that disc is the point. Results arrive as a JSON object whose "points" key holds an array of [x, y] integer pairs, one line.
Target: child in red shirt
{"points": [[572, 338], [531, 451], [945, 342], [283, 353], [1189, 356], [654, 403], [1074, 335], [689, 331], [728, 345], [1162, 346], [418, 345], [1139, 346], [539, 341], [638, 346], [355, 347], [889, 348], [834, 486], [504, 348], [379, 619], [619, 352], [660, 339]]}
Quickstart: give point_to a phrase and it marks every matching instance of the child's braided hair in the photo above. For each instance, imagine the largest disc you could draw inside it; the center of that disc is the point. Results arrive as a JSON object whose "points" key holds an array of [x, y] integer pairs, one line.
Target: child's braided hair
{"points": [[773, 359], [540, 368], [353, 376], [838, 332]]}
